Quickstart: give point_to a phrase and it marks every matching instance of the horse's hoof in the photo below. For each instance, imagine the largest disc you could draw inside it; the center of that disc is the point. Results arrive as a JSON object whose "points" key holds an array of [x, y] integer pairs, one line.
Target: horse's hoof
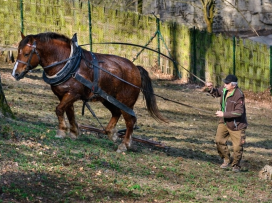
{"points": [[121, 148], [60, 134], [130, 143], [72, 136], [114, 137]]}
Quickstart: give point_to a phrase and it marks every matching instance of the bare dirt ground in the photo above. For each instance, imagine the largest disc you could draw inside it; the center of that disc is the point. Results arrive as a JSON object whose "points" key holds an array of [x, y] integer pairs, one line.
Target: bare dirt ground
{"points": [[35, 164]]}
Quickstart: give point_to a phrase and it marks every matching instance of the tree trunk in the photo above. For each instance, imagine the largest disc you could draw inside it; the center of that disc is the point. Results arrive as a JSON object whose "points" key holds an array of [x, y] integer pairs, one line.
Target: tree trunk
{"points": [[208, 13], [5, 110]]}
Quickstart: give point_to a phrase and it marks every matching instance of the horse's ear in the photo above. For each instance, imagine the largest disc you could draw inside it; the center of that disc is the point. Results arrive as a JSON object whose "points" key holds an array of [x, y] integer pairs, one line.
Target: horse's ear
{"points": [[22, 35], [74, 39]]}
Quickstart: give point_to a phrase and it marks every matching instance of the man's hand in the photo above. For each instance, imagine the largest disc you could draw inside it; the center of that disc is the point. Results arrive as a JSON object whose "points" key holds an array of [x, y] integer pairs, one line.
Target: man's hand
{"points": [[209, 85], [219, 113]]}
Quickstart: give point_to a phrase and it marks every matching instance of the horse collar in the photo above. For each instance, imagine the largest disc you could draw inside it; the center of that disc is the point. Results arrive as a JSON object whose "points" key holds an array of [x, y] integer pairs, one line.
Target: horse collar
{"points": [[68, 69]]}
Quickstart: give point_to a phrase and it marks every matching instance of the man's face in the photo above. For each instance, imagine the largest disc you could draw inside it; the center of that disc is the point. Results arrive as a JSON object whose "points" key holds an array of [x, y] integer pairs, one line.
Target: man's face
{"points": [[229, 86]]}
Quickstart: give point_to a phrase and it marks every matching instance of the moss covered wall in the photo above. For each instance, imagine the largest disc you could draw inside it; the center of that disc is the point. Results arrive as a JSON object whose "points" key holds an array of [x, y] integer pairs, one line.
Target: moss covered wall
{"points": [[251, 62], [210, 55], [69, 18]]}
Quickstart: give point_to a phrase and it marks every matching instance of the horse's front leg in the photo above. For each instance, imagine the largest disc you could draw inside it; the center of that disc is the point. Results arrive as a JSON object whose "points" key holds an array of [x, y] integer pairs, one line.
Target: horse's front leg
{"points": [[74, 129], [127, 141], [65, 105], [61, 132]]}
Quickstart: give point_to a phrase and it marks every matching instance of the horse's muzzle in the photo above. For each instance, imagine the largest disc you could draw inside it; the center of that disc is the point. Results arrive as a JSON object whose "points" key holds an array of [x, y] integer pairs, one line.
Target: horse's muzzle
{"points": [[18, 76]]}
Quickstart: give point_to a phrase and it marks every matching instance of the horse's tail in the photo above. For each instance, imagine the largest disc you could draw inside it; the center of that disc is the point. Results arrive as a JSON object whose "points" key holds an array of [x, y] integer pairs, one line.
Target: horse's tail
{"points": [[149, 96]]}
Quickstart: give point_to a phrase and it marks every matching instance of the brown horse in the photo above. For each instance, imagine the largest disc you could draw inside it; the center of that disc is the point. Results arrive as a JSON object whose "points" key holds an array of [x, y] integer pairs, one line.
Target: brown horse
{"points": [[77, 74]]}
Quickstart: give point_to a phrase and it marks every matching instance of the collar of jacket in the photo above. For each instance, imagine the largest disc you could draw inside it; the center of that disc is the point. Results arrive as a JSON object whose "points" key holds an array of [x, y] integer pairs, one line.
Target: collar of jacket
{"points": [[225, 91]]}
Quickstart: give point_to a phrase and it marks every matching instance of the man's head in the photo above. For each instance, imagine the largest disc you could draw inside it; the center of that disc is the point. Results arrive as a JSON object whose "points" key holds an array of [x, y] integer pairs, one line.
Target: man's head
{"points": [[230, 82]]}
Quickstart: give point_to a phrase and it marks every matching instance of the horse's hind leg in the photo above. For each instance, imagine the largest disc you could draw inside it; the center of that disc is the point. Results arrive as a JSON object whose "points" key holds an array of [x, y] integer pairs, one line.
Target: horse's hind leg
{"points": [[126, 143], [115, 115]]}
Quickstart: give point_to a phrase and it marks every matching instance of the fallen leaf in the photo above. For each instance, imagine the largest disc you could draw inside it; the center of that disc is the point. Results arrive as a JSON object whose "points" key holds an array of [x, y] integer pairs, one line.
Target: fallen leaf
{"points": [[98, 173]]}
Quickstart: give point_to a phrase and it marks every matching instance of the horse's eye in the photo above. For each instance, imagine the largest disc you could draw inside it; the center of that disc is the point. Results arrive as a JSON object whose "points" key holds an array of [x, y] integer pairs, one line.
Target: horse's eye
{"points": [[26, 55]]}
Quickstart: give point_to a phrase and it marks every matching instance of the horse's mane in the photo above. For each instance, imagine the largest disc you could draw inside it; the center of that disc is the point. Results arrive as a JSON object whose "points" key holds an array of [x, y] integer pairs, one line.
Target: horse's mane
{"points": [[45, 37]]}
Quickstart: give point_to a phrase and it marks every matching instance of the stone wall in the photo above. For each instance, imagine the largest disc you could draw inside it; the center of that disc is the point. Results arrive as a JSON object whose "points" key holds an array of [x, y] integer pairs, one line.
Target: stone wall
{"points": [[256, 12]]}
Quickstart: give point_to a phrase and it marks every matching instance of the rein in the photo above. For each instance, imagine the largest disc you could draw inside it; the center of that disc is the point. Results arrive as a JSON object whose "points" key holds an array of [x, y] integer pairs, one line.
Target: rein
{"points": [[136, 45], [60, 62], [70, 70], [96, 89], [164, 98]]}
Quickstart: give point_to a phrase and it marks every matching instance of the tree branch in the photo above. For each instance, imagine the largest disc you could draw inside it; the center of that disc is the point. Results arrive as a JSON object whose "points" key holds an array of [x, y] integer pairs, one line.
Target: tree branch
{"points": [[252, 28]]}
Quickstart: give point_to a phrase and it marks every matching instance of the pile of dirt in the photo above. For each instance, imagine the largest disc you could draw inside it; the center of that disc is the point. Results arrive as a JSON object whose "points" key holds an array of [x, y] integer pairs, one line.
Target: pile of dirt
{"points": [[261, 97]]}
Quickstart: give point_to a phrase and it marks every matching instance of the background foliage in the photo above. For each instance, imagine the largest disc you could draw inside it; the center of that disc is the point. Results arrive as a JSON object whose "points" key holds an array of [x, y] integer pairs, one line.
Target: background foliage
{"points": [[209, 56]]}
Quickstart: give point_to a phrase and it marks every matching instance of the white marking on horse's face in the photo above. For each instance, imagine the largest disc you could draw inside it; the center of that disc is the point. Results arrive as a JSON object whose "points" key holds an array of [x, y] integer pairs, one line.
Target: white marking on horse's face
{"points": [[14, 69], [16, 64]]}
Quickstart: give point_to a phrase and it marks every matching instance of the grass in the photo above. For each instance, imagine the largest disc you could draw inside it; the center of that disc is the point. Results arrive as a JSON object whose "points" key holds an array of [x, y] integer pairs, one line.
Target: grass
{"points": [[37, 167]]}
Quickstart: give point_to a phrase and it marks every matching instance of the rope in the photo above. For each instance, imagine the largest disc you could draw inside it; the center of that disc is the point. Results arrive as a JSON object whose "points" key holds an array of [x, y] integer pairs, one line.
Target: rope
{"points": [[136, 45], [92, 112], [166, 99]]}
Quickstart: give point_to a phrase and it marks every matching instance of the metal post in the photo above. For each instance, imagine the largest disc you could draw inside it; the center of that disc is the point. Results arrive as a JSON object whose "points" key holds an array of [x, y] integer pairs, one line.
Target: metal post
{"points": [[194, 52], [158, 40], [90, 26], [175, 63], [270, 70], [234, 60], [22, 16]]}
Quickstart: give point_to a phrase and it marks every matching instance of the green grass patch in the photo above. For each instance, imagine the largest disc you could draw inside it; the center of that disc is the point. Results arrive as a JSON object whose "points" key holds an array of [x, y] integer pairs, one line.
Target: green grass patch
{"points": [[37, 167]]}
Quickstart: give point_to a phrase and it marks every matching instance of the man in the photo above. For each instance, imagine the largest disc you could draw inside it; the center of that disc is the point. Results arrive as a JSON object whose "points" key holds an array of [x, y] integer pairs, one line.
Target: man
{"points": [[232, 121]]}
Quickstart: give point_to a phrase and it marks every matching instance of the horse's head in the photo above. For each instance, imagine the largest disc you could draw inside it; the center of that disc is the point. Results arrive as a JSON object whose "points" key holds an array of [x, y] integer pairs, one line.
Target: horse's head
{"points": [[28, 57]]}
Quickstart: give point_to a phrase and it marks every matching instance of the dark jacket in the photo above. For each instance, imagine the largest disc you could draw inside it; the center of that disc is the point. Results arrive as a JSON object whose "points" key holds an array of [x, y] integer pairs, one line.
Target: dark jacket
{"points": [[233, 107]]}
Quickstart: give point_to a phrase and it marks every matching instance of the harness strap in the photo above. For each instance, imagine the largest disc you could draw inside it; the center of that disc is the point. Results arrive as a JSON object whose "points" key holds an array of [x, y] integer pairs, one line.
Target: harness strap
{"points": [[96, 72], [103, 94], [85, 103], [60, 62]]}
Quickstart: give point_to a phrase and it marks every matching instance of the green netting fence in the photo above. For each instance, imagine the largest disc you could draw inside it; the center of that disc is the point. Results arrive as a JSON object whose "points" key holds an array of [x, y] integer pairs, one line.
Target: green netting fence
{"points": [[211, 57], [215, 56]]}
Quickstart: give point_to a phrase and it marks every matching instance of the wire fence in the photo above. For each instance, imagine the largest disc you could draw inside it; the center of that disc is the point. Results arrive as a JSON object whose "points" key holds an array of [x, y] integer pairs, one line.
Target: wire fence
{"points": [[208, 56]]}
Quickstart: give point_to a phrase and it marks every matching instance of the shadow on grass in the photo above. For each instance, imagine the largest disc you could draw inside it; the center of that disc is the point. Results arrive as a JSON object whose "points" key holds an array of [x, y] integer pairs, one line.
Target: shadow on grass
{"points": [[264, 144], [46, 187]]}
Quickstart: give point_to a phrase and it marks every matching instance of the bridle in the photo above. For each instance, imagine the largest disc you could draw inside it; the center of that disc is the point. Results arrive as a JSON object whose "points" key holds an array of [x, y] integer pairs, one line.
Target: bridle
{"points": [[34, 50]]}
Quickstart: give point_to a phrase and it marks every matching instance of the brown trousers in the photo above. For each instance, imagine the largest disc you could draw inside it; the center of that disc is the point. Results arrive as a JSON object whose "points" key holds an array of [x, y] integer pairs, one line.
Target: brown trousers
{"points": [[237, 138]]}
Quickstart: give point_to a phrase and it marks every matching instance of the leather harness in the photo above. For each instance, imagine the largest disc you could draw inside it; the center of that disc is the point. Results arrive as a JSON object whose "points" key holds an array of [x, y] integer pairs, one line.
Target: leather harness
{"points": [[70, 69]]}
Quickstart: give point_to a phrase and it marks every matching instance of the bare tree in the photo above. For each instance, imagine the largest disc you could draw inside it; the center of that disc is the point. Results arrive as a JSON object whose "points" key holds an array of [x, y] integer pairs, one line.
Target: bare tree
{"points": [[251, 27], [208, 13]]}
